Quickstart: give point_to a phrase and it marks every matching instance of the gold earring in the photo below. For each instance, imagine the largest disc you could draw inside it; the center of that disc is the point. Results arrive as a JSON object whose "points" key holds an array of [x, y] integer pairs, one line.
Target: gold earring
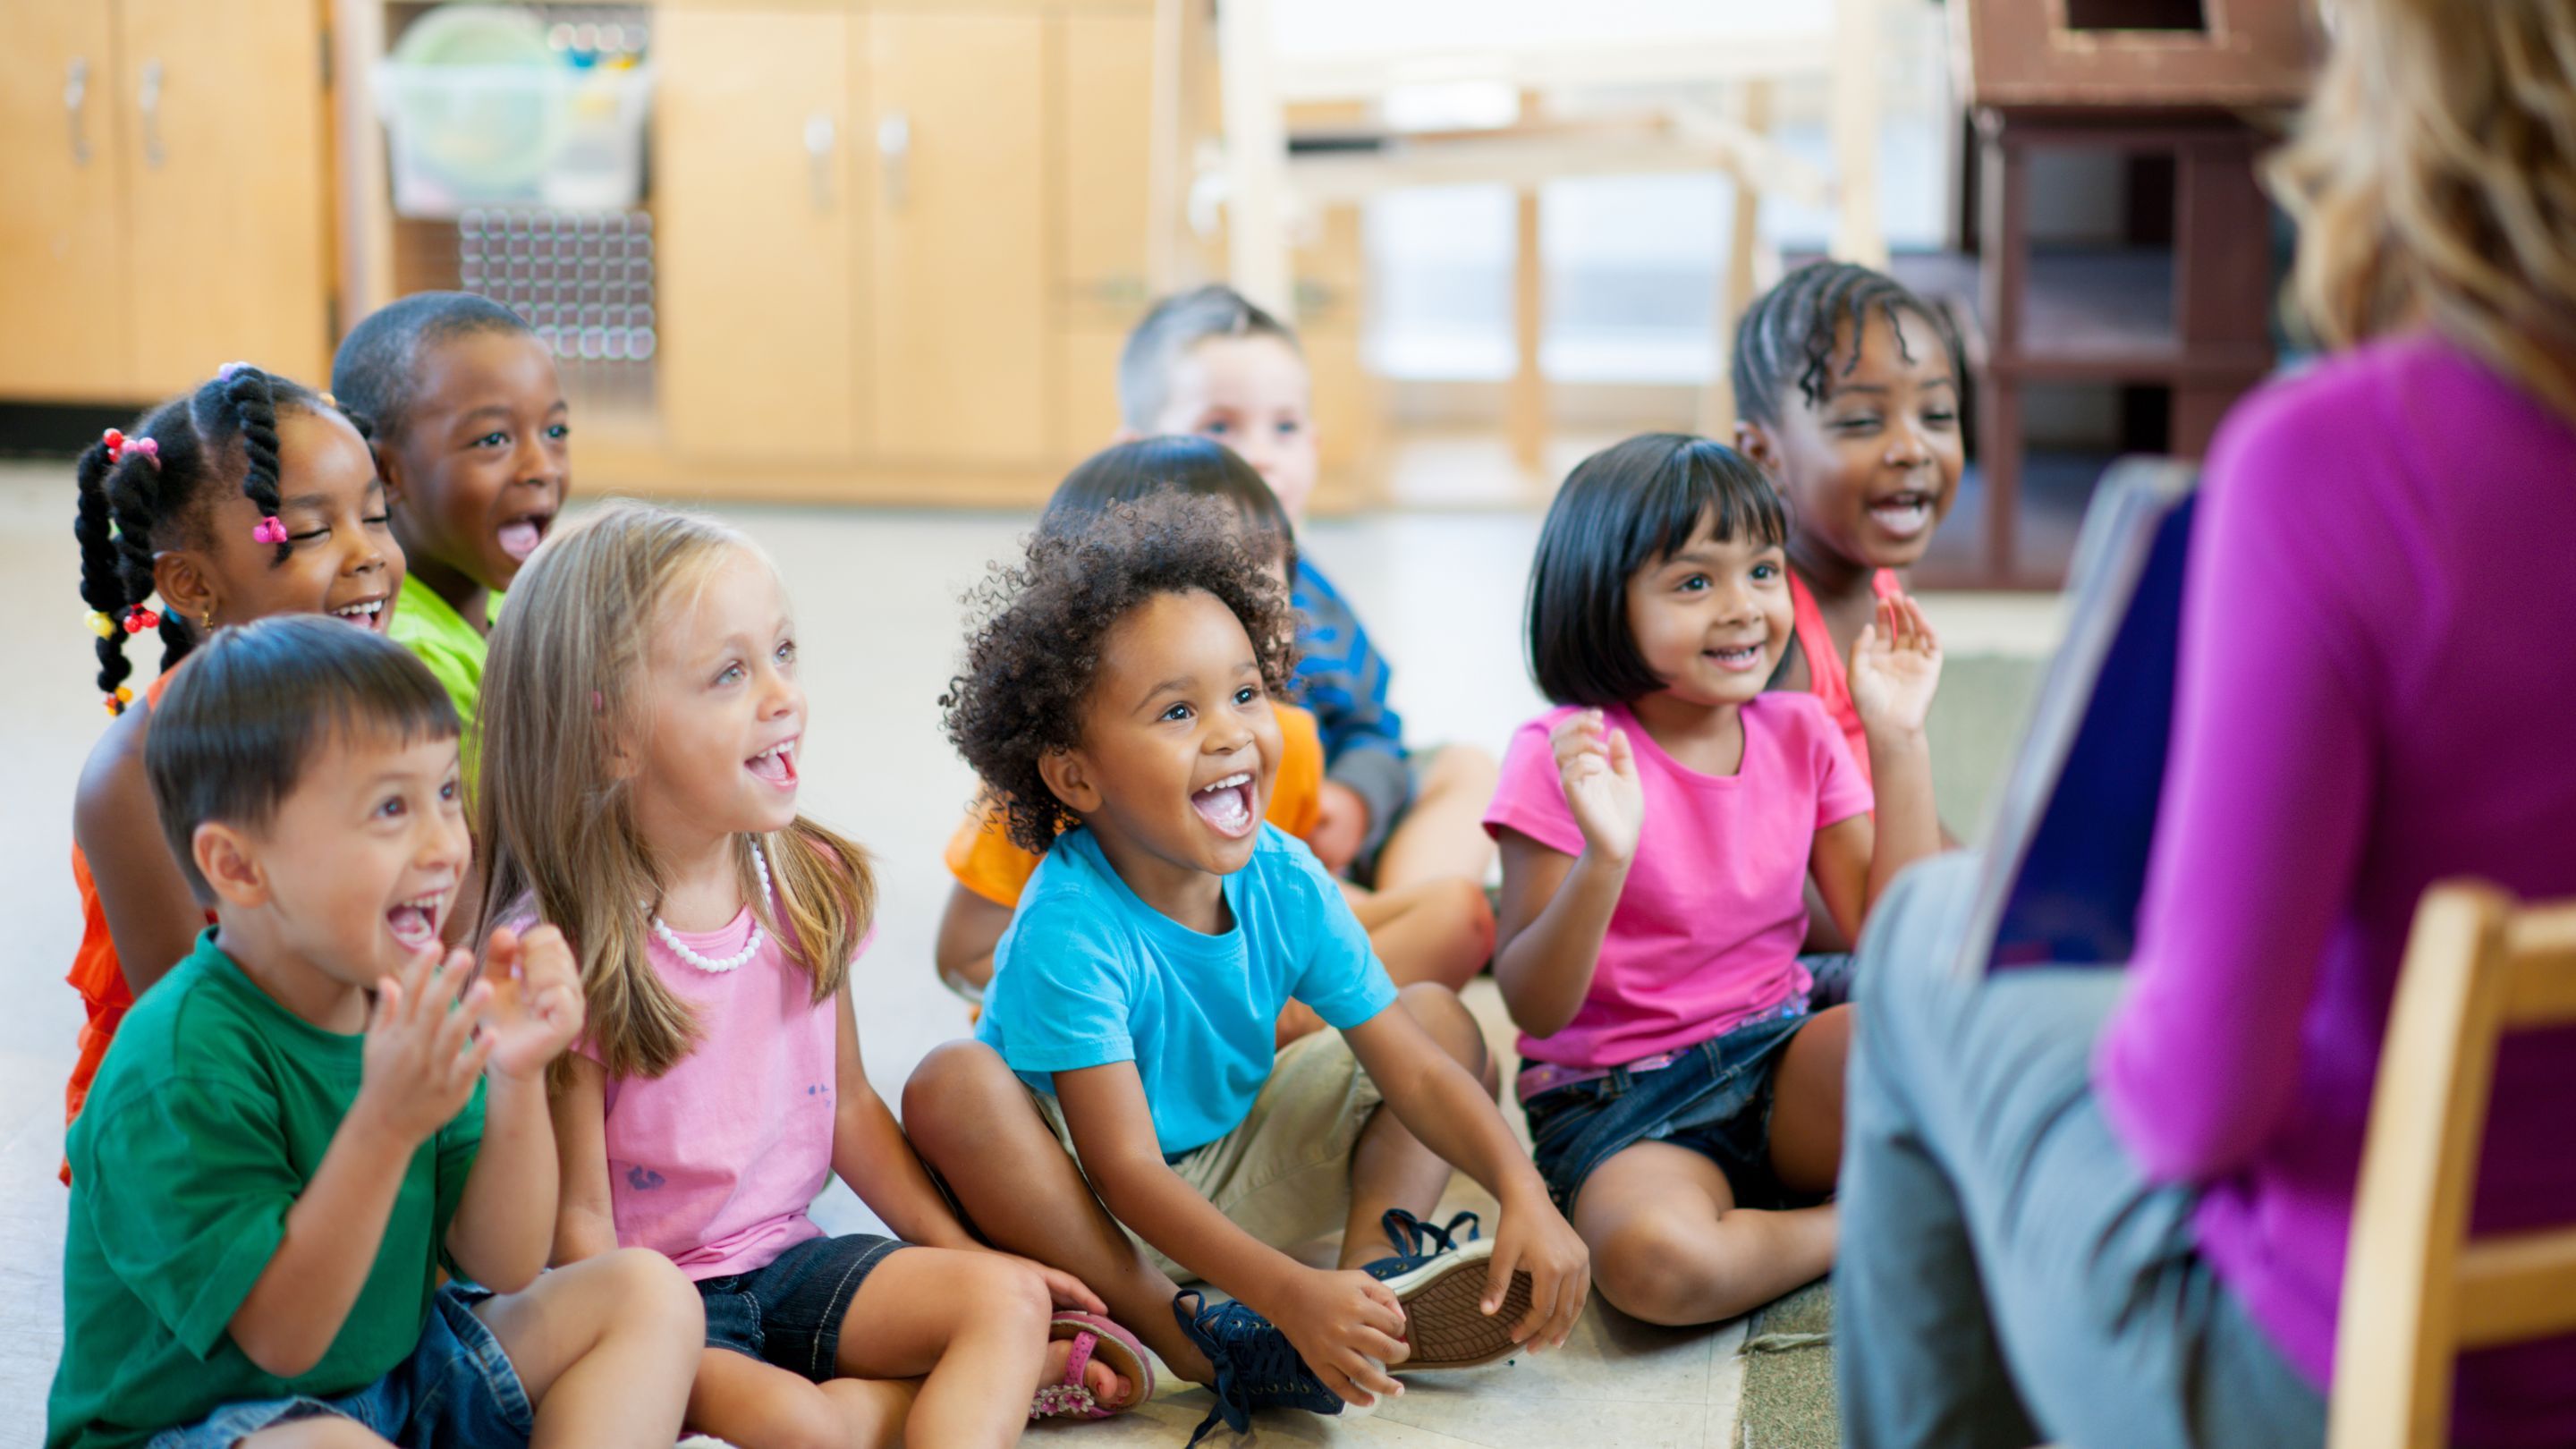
{"points": [[206, 620]]}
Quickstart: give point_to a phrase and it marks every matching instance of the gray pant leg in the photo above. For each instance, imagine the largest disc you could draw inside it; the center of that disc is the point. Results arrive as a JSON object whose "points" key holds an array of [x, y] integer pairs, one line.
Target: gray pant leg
{"points": [[2005, 1266]]}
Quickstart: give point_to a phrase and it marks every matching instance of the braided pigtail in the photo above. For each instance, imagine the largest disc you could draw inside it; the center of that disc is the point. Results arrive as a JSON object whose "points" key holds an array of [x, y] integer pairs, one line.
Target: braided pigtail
{"points": [[254, 403], [101, 586]]}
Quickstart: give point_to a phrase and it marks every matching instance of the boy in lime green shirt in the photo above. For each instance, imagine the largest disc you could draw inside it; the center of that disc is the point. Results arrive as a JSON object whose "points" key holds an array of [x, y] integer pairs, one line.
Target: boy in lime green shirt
{"points": [[470, 430], [308, 1117]]}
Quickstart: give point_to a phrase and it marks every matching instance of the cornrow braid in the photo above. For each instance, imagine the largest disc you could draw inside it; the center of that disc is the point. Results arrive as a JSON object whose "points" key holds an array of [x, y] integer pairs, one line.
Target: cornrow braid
{"points": [[133, 506], [1789, 333], [254, 402]]}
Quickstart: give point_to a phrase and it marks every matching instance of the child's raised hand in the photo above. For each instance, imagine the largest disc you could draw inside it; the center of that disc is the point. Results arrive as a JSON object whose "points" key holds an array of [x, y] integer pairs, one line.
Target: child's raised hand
{"points": [[1895, 668], [422, 1055], [1599, 772], [1339, 1322], [533, 1006], [1535, 1238]]}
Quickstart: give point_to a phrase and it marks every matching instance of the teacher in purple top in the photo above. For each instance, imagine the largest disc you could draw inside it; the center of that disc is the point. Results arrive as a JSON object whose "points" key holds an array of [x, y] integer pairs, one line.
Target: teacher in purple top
{"points": [[2111, 1208]]}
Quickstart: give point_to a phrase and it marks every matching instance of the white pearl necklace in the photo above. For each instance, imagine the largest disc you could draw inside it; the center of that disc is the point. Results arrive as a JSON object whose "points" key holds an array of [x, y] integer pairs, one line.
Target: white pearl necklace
{"points": [[749, 949]]}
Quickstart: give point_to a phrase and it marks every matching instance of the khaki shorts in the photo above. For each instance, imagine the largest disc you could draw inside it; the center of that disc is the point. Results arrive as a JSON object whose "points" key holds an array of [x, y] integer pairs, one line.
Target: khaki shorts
{"points": [[1284, 1173]]}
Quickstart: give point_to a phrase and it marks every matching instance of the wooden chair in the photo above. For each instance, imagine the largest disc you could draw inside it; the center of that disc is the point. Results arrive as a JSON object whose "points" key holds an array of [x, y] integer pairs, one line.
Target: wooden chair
{"points": [[2418, 1290]]}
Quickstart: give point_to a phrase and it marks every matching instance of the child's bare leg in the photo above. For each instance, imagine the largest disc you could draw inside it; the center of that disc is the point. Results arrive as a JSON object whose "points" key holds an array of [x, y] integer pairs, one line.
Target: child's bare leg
{"points": [[1807, 1103], [1390, 1168], [1670, 1246], [1439, 930], [323, 1433], [744, 1401], [972, 1121], [1443, 833], [605, 1348], [974, 1325]]}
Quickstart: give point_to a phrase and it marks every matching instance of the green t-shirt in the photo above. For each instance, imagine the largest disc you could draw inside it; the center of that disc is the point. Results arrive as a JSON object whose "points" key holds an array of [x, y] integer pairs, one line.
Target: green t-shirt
{"points": [[454, 650], [209, 1116]]}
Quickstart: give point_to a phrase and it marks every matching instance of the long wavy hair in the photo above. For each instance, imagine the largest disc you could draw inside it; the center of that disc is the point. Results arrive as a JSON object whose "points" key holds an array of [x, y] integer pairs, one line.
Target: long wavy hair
{"points": [[564, 697], [2433, 177]]}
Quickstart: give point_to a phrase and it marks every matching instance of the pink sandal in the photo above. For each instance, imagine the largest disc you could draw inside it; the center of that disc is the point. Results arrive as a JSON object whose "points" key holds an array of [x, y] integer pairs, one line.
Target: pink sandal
{"points": [[1092, 1335]]}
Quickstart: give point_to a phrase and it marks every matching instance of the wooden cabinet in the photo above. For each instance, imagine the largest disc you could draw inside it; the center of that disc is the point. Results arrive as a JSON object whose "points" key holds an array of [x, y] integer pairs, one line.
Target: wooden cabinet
{"points": [[167, 207], [758, 224]]}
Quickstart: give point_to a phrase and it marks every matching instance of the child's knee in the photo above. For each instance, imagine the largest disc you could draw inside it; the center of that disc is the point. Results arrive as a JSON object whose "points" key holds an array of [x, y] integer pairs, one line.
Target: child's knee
{"points": [[1463, 770], [1439, 1012], [1004, 1292], [959, 1083], [1469, 917], [640, 1286], [1640, 1269]]}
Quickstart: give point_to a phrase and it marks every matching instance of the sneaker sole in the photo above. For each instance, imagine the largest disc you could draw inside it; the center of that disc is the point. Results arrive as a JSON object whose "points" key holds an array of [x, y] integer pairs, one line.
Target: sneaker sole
{"points": [[1444, 1317]]}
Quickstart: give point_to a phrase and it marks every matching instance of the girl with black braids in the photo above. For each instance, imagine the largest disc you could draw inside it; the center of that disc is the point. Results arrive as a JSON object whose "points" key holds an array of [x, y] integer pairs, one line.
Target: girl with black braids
{"points": [[1847, 387], [250, 496]]}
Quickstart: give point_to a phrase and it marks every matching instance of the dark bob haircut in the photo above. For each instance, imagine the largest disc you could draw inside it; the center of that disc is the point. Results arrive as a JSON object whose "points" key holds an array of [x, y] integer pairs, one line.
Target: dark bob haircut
{"points": [[1132, 472], [237, 731], [1620, 510]]}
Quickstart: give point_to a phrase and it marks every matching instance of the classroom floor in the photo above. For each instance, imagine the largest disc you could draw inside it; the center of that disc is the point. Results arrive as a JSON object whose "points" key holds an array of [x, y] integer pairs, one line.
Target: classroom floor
{"points": [[880, 625]]}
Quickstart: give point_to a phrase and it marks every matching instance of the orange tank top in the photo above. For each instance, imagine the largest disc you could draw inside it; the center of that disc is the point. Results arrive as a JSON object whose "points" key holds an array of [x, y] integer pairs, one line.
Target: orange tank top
{"points": [[95, 972], [1828, 679]]}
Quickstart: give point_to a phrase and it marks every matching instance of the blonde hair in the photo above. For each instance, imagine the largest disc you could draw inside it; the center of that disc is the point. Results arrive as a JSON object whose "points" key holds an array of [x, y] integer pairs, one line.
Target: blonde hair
{"points": [[2434, 181], [563, 700]]}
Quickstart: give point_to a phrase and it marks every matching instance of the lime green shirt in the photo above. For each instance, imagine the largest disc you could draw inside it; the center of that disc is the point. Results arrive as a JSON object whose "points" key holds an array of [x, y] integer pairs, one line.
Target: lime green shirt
{"points": [[210, 1115], [454, 650]]}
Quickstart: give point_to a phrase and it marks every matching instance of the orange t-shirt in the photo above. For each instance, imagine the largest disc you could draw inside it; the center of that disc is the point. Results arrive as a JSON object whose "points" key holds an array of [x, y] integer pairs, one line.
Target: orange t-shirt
{"points": [[985, 861], [95, 972]]}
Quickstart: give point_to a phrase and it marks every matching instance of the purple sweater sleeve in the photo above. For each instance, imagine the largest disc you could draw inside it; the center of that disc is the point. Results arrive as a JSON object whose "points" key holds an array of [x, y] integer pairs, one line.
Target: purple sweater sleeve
{"points": [[2266, 801]]}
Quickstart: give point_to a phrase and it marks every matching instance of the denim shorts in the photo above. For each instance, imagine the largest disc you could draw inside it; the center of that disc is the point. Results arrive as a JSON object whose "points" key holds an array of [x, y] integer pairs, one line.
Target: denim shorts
{"points": [[456, 1391], [789, 1312], [1713, 1098]]}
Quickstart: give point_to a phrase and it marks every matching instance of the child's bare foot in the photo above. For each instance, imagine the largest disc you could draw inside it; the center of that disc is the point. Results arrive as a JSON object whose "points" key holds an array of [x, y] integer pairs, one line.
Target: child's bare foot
{"points": [[1109, 1388]]}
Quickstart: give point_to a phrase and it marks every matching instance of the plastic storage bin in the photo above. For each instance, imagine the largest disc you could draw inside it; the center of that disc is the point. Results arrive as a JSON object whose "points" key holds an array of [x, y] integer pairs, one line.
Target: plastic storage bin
{"points": [[563, 137]]}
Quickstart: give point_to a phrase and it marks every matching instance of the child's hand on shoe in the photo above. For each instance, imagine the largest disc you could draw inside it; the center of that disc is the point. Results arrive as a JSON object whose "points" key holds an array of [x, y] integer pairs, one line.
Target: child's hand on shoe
{"points": [[422, 1056], [1599, 773], [1347, 1326], [534, 1006], [1535, 1238], [1895, 668], [1063, 1289]]}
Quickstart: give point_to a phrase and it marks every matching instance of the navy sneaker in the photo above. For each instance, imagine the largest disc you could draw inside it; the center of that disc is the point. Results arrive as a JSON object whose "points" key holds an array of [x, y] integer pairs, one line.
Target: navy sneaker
{"points": [[1439, 1277], [1256, 1366]]}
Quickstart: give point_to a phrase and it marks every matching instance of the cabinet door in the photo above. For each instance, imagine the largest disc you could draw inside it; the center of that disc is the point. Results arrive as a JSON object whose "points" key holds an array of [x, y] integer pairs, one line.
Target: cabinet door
{"points": [[754, 212], [63, 304], [959, 256], [1103, 130], [227, 149]]}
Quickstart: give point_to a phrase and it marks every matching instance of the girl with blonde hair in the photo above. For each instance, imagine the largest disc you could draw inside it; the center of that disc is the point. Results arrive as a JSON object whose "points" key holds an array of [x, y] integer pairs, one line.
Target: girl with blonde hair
{"points": [[644, 736], [2113, 1207]]}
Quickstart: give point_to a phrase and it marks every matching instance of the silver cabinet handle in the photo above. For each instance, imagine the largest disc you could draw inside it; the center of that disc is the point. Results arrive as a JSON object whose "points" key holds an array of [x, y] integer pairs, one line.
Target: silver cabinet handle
{"points": [[75, 102], [894, 149], [149, 100], [820, 135]]}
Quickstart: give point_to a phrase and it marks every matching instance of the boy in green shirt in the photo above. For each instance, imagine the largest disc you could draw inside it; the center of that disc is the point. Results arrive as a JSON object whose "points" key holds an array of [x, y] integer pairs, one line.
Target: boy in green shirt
{"points": [[470, 430], [309, 1116]]}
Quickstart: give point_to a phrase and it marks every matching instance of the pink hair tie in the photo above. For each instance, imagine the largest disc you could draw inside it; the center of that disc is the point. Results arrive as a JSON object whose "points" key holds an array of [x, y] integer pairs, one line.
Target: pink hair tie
{"points": [[269, 531], [225, 372], [118, 445]]}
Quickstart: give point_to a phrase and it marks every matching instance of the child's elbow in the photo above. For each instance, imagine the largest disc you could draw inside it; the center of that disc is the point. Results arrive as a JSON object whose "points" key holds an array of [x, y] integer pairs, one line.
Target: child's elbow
{"points": [[277, 1354]]}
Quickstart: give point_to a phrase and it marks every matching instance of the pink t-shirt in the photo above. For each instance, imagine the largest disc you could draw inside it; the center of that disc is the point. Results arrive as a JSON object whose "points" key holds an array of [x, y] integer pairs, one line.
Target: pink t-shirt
{"points": [[714, 1163], [1706, 932]]}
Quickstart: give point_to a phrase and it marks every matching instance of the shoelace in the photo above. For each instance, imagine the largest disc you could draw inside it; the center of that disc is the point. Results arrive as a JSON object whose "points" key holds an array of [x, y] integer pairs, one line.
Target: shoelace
{"points": [[1250, 1356], [1407, 1234]]}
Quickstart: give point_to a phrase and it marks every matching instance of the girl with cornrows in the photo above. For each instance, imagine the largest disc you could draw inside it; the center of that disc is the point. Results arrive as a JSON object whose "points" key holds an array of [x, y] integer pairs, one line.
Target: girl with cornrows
{"points": [[1847, 387], [250, 496]]}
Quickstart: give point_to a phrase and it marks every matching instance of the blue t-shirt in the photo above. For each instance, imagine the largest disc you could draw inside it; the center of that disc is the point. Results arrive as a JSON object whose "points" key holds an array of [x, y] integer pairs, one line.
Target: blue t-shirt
{"points": [[1088, 975]]}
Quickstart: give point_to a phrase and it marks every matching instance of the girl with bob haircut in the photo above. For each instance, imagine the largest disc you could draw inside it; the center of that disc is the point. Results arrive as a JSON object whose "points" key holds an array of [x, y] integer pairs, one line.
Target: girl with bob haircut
{"points": [[1658, 829]]}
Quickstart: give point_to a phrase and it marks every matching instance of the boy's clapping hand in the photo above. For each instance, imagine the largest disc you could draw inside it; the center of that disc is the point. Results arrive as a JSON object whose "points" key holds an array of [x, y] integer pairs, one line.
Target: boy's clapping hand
{"points": [[532, 1008], [1535, 1238], [1347, 1326], [422, 1055]]}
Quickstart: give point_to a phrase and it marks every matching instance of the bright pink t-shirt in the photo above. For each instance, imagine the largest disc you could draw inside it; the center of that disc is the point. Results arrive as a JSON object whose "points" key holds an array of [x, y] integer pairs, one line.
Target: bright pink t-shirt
{"points": [[1707, 930], [714, 1163]]}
